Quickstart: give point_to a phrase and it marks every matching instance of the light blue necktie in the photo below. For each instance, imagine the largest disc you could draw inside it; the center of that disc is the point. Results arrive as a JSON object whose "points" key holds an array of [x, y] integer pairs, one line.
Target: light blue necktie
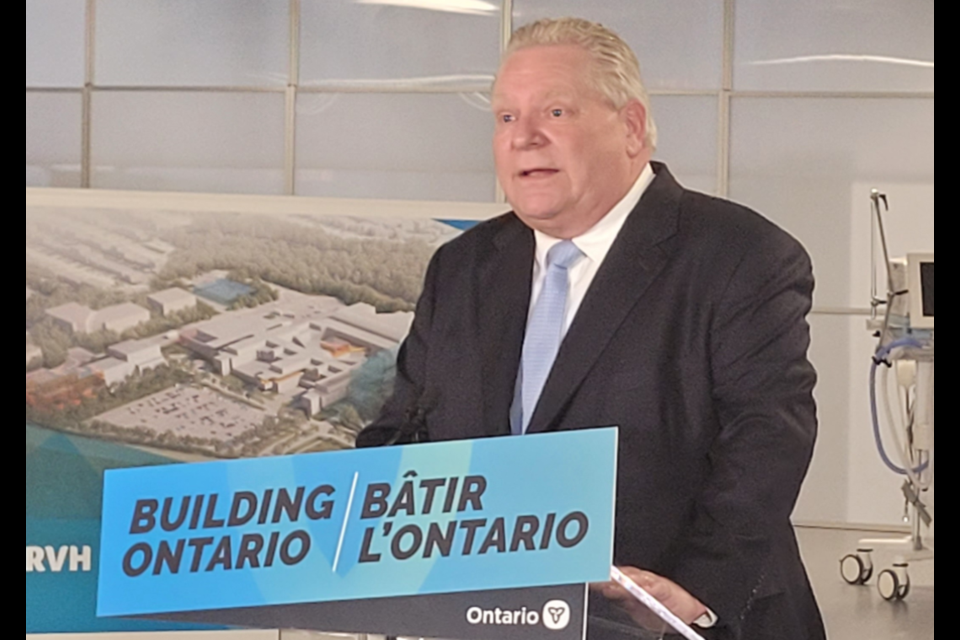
{"points": [[544, 334]]}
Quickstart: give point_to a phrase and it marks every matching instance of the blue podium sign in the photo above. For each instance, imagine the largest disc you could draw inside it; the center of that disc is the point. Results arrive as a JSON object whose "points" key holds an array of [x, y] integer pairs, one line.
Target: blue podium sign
{"points": [[495, 513]]}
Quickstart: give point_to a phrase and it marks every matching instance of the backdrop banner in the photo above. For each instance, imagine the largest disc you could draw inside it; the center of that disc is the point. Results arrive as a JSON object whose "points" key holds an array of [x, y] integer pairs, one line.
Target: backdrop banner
{"points": [[170, 328]]}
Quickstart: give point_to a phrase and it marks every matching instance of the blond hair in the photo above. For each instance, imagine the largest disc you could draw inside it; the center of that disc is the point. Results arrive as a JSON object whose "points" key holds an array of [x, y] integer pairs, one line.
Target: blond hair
{"points": [[617, 75]]}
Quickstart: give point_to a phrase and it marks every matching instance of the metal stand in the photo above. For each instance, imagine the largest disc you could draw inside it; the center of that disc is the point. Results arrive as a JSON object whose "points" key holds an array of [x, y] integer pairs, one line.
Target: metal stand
{"points": [[899, 343], [893, 582]]}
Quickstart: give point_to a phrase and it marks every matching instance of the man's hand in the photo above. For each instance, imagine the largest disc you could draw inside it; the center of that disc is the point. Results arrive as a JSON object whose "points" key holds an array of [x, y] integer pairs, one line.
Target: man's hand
{"points": [[674, 597]]}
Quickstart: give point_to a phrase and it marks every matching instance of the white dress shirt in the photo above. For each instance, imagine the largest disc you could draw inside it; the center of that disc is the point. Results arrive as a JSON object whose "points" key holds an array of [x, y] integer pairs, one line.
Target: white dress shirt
{"points": [[595, 243]]}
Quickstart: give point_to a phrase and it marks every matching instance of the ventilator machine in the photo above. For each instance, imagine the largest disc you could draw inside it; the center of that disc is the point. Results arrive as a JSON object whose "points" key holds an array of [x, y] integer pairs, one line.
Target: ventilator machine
{"points": [[901, 405]]}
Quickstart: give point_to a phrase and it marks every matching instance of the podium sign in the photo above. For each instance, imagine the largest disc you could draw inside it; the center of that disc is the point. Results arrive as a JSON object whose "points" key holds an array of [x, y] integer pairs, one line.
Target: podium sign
{"points": [[533, 613], [495, 513]]}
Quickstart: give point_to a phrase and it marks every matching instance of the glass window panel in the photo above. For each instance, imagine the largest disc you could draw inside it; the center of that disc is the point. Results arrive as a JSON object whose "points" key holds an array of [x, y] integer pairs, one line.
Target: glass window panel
{"points": [[687, 139], [53, 139], [679, 44], [377, 39], [55, 52], [400, 146], [187, 43], [808, 164], [196, 141], [883, 45]]}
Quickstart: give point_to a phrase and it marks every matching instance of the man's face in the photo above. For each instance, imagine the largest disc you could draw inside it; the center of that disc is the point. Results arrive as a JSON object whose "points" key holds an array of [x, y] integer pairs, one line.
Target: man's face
{"points": [[564, 155]]}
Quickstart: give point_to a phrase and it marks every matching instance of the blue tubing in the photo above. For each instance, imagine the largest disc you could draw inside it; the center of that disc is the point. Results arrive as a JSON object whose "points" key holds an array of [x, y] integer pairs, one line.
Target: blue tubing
{"points": [[878, 357]]}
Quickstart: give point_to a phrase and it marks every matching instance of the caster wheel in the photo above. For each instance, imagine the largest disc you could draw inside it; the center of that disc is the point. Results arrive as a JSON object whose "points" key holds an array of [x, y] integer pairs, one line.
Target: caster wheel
{"points": [[856, 568], [894, 584], [904, 590]]}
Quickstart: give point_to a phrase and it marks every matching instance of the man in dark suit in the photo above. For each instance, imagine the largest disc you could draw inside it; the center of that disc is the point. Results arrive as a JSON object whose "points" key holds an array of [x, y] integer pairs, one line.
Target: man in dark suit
{"points": [[681, 320]]}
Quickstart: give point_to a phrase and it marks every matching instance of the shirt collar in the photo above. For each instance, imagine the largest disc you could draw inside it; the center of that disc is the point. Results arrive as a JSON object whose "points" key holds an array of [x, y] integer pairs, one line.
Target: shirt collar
{"points": [[597, 240]]}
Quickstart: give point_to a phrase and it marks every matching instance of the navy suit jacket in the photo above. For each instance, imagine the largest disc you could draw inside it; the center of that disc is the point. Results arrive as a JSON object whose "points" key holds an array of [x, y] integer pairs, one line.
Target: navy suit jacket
{"points": [[692, 339]]}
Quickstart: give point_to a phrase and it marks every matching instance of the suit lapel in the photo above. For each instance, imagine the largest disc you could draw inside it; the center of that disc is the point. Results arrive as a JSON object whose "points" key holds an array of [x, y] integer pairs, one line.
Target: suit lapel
{"points": [[633, 263], [502, 299]]}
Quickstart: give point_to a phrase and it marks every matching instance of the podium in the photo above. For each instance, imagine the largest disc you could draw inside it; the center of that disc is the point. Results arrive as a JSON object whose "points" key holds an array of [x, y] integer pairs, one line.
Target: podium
{"points": [[488, 539]]}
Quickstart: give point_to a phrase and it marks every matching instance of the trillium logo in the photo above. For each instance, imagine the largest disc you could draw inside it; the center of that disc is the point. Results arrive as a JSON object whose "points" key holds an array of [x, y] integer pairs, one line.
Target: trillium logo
{"points": [[556, 615]]}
